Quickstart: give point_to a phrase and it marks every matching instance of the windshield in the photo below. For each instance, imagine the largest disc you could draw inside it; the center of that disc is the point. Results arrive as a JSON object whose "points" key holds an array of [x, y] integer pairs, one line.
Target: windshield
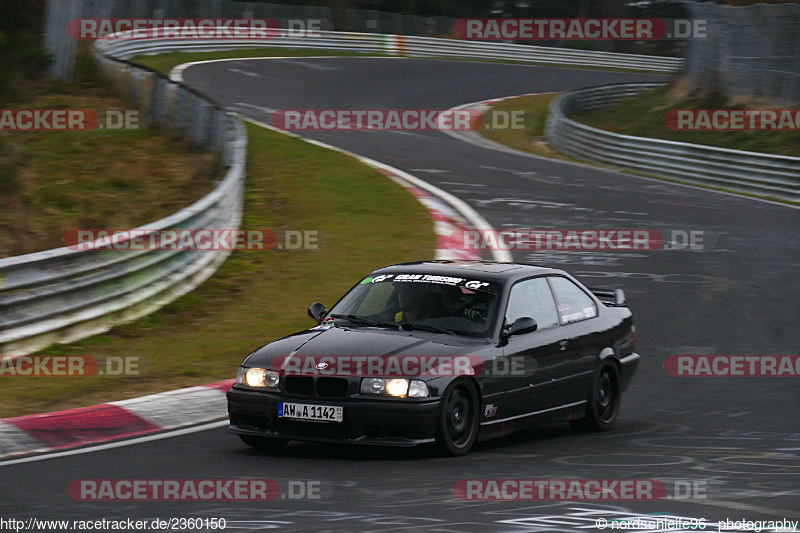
{"points": [[427, 302]]}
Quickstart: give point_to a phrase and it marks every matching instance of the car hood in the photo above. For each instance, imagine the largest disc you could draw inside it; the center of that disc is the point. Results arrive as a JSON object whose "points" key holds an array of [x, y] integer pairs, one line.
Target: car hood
{"points": [[345, 341]]}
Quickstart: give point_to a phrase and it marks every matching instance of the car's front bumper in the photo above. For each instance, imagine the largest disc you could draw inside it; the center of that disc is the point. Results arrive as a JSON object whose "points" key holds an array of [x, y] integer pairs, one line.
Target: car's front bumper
{"points": [[382, 421]]}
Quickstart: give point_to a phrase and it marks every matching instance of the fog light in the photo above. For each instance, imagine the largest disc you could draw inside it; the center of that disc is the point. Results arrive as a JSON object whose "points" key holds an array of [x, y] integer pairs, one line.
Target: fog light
{"points": [[373, 386]]}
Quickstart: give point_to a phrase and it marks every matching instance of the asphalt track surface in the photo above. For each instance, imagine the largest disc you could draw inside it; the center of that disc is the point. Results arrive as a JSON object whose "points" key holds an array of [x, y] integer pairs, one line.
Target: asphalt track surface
{"points": [[736, 439]]}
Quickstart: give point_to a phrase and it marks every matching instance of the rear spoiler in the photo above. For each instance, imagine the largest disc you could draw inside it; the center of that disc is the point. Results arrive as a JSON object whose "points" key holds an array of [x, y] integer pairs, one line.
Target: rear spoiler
{"points": [[611, 297]]}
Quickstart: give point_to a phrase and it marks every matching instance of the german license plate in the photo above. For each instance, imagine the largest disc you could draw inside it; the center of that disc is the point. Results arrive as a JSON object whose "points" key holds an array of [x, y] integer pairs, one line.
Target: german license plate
{"points": [[305, 411]]}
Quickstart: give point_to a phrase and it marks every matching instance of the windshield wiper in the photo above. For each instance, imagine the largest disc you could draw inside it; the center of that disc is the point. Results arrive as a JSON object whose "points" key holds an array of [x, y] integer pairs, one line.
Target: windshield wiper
{"points": [[366, 321], [426, 327]]}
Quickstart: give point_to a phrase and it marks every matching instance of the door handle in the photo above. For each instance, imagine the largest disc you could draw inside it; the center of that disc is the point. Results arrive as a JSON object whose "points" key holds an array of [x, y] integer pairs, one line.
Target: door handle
{"points": [[562, 344]]}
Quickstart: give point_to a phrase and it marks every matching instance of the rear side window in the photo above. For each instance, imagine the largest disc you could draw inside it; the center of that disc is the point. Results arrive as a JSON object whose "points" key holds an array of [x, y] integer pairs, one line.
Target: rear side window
{"points": [[532, 298], [573, 304]]}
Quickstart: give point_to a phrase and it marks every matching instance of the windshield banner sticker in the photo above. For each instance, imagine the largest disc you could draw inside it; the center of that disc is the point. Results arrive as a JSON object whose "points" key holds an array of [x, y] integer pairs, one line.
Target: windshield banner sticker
{"points": [[474, 285]]}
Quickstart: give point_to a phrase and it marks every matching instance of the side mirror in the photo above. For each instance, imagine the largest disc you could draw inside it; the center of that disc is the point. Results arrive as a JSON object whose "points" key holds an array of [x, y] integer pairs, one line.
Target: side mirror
{"points": [[523, 324], [317, 311]]}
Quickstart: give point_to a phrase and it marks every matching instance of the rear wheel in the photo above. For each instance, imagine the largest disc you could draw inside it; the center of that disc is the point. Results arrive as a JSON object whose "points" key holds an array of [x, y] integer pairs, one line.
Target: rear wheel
{"points": [[264, 443], [457, 427], [603, 402]]}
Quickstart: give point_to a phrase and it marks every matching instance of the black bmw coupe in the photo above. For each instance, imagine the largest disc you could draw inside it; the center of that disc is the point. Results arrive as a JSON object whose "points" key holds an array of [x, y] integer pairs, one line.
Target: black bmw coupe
{"points": [[441, 352]]}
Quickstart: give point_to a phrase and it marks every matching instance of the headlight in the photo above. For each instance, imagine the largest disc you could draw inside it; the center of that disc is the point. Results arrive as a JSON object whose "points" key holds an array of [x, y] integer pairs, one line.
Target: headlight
{"points": [[398, 387], [258, 377]]}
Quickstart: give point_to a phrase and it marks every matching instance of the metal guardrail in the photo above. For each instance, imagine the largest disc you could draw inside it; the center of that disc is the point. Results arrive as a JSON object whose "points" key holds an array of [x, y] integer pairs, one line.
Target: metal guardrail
{"points": [[64, 294], [401, 45], [768, 175]]}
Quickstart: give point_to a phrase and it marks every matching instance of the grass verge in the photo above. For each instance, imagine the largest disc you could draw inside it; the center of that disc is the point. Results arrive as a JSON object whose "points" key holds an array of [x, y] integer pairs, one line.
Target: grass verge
{"points": [[531, 138], [551, 65], [55, 181], [643, 116]]}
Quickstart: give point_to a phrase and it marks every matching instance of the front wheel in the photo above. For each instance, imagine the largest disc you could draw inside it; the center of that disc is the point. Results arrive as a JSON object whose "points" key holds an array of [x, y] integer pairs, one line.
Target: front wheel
{"points": [[457, 426], [264, 443], [603, 403]]}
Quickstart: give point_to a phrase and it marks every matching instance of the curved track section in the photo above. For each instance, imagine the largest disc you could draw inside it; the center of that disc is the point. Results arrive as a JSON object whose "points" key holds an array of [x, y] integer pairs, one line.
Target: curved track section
{"points": [[737, 439]]}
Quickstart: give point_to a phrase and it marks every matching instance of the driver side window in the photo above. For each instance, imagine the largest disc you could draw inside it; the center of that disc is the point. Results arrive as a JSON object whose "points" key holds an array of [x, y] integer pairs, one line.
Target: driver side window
{"points": [[375, 300], [533, 298]]}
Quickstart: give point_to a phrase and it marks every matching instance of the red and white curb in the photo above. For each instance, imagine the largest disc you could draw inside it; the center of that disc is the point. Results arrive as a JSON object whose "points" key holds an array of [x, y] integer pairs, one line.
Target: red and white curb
{"points": [[446, 221], [60, 430]]}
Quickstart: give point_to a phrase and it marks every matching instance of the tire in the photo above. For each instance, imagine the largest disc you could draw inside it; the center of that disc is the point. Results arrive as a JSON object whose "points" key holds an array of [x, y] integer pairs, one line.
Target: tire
{"points": [[603, 403], [457, 425], [264, 443]]}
